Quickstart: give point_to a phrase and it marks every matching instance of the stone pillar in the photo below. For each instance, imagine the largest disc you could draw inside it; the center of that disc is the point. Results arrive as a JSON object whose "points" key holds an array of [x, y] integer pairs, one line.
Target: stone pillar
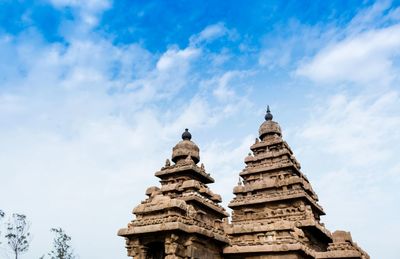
{"points": [[171, 247], [135, 249]]}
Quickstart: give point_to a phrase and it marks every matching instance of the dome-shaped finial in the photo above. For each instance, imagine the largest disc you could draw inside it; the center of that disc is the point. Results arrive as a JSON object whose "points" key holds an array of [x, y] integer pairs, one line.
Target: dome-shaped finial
{"points": [[268, 116], [186, 149], [186, 135]]}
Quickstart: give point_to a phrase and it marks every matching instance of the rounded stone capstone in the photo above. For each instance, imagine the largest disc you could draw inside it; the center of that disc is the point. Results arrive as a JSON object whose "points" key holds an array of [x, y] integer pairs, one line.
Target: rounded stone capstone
{"points": [[186, 148], [269, 127]]}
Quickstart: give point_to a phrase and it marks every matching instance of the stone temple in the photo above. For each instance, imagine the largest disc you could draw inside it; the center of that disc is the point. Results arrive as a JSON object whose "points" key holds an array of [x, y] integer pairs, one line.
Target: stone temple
{"points": [[275, 212]]}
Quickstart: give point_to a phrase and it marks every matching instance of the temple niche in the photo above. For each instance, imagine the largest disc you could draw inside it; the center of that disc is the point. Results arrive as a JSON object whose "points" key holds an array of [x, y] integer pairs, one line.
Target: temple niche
{"points": [[275, 211]]}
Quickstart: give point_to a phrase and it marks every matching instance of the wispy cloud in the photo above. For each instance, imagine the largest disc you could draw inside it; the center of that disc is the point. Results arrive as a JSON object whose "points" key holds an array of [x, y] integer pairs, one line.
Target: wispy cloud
{"points": [[365, 58], [87, 11], [365, 52], [211, 33]]}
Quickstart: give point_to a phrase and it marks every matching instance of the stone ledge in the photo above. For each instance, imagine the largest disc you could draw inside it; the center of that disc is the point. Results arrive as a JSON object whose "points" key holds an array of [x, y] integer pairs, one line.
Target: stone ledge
{"points": [[267, 249], [171, 226], [174, 169]]}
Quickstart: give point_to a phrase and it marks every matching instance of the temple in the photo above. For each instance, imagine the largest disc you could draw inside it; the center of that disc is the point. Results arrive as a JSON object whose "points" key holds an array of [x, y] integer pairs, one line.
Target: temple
{"points": [[275, 212], [183, 218]]}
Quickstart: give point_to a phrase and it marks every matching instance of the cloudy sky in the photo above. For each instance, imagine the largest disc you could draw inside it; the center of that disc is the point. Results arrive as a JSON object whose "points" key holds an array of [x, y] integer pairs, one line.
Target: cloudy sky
{"points": [[94, 94]]}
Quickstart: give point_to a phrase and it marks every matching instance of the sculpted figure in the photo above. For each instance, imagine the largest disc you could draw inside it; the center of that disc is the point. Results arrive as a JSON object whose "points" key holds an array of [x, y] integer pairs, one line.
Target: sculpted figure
{"points": [[189, 160], [167, 163], [171, 244], [191, 211]]}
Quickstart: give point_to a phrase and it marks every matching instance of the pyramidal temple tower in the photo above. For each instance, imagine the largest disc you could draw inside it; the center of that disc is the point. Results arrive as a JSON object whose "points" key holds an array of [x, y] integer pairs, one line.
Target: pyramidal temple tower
{"points": [[183, 218], [275, 212]]}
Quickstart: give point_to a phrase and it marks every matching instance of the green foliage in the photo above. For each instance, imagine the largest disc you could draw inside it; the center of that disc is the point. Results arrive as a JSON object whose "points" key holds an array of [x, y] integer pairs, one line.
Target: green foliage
{"points": [[61, 245], [18, 236]]}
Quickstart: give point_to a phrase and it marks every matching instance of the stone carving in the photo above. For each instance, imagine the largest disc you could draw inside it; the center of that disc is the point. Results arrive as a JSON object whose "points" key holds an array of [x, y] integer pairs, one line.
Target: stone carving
{"points": [[171, 244], [275, 211], [167, 163]]}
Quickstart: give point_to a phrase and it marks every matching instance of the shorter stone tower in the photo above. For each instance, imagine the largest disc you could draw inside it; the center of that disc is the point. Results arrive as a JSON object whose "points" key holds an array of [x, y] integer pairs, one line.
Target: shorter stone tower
{"points": [[182, 219]]}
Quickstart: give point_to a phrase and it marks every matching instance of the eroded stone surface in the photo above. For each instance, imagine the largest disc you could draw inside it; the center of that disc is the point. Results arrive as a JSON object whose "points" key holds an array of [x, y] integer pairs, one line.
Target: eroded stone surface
{"points": [[182, 218], [275, 211]]}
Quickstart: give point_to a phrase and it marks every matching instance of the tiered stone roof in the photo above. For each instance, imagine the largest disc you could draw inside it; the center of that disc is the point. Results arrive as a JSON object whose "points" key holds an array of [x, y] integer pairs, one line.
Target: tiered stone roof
{"points": [[275, 209], [183, 215]]}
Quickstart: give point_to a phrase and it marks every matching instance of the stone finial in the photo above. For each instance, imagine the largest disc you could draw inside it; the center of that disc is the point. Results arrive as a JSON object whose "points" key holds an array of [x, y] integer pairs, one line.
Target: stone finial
{"points": [[268, 116], [186, 135], [269, 127]]}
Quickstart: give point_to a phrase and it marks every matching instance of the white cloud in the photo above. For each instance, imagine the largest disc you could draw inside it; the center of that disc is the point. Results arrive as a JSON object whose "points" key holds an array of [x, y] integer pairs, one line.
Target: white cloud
{"points": [[229, 87], [370, 17], [366, 58], [222, 90], [282, 47], [360, 127], [85, 122], [176, 60], [348, 152], [211, 33], [272, 58]]}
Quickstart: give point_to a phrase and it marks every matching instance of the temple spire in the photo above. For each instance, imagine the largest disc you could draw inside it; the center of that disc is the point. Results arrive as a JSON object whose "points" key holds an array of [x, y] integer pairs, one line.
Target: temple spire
{"points": [[268, 116]]}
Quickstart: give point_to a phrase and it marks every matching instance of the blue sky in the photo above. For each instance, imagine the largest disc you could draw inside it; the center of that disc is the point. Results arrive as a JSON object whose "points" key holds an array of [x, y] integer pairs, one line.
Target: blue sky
{"points": [[94, 94]]}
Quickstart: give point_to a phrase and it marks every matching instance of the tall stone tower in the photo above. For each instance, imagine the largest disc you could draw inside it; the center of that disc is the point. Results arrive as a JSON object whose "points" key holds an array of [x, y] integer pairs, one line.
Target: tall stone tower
{"points": [[182, 219], [275, 212]]}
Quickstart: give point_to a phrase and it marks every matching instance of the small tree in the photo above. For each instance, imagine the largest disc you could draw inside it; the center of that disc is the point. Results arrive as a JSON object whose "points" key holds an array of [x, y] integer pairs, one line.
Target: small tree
{"points": [[18, 236], [61, 245]]}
